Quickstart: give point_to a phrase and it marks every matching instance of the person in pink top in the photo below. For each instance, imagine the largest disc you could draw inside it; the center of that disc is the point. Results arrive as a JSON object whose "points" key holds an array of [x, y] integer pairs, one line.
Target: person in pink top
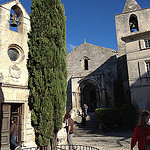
{"points": [[70, 127], [142, 132]]}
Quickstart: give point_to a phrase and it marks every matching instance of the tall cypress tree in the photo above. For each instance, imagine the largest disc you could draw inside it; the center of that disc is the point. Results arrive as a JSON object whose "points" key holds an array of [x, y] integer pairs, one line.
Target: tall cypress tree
{"points": [[47, 68]]}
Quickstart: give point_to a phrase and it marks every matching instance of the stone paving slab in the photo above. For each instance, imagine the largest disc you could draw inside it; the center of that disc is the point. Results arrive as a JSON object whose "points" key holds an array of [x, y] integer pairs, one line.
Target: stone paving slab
{"points": [[106, 141]]}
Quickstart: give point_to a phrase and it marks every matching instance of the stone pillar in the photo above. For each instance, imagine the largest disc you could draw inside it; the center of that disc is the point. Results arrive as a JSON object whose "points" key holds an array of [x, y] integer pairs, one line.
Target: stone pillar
{"points": [[97, 99], [74, 100], [79, 100], [103, 100], [102, 94]]}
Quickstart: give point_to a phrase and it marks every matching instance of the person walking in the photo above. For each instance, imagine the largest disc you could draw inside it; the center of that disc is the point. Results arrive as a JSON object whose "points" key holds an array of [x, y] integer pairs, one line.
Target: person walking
{"points": [[70, 127], [14, 133], [83, 119], [142, 132], [85, 108]]}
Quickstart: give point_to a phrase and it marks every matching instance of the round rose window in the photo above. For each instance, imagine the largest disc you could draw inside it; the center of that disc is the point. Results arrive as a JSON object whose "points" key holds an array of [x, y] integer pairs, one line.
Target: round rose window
{"points": [[13, 54]]}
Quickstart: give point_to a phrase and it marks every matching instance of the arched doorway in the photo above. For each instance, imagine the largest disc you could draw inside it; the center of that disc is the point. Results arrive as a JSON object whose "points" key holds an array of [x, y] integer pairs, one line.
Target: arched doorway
{"points": [[89, 95]]}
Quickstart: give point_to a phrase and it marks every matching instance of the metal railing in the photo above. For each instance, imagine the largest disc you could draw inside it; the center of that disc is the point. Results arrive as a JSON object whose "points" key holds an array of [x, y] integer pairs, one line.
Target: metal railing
{"points": [[29, 148], [75, 147], [65, 147]]}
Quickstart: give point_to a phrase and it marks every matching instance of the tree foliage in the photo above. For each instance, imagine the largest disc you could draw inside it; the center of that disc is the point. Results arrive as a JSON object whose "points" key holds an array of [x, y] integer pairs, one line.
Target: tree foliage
{"points": [[47, 68]]}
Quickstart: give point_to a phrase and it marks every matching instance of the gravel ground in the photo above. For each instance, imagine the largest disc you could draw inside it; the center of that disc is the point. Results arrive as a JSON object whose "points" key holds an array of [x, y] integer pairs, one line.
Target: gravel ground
{"points": [[106, 141]]}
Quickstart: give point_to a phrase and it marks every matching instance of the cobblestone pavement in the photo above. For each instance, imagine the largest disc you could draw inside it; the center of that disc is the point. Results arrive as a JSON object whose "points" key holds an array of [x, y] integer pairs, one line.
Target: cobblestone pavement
{"points": [[106, 141]]}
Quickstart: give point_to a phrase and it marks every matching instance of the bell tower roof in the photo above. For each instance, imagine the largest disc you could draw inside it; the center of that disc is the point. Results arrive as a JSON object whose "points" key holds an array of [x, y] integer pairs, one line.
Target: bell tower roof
{"points": [[131, 5]]}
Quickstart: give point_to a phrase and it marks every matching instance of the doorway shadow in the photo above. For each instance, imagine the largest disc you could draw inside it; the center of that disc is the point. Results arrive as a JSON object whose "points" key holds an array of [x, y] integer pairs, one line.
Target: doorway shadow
{"points": [[1, 111]]}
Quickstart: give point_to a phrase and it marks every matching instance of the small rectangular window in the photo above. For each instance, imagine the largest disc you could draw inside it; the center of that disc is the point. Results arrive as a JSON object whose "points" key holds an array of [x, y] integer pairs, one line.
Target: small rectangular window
{"points": [[139, 44], [148, 68], [85, 64], [147, 43]]}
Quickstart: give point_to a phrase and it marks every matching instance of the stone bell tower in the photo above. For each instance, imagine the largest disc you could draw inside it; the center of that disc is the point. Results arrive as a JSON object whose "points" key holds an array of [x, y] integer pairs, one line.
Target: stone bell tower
{"points": [[133, 37], [14, 26]]}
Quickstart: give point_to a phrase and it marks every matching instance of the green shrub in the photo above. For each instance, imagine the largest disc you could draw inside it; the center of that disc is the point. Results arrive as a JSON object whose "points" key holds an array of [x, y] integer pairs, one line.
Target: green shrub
{"points": [[129, 115], [124, 117], [108, 116]]}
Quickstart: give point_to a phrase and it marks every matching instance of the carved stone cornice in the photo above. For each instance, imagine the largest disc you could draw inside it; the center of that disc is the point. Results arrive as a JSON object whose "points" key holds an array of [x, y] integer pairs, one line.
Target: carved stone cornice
{"points": [[13, 86]]}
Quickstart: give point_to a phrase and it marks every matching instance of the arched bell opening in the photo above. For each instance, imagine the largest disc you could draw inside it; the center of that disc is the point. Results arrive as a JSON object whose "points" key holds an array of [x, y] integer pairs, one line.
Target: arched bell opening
{"points": [[15, 18], [89, 95], [133, 23]]}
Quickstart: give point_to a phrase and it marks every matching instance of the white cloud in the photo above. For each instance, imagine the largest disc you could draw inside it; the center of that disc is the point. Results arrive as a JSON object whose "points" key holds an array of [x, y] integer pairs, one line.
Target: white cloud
{"points": [[70, 47]]}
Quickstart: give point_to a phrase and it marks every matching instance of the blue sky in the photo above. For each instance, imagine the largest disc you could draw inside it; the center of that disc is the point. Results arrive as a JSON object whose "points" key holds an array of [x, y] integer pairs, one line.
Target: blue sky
{"points": [[92, 20]]}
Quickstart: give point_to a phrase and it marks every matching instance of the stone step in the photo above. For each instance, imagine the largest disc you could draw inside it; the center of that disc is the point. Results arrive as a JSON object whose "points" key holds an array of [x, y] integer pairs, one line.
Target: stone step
{"points": [[90, 127], [81, 133]]}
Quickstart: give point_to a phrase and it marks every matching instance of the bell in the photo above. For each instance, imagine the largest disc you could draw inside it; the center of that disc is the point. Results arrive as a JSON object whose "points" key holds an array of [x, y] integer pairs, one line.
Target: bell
{"points": [[14, 20], [14, 23], [133, 26]]}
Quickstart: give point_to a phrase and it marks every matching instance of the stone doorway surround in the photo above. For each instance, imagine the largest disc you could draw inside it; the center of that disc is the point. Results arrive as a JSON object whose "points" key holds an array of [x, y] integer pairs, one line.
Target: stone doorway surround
{"points": [[83, 90]]}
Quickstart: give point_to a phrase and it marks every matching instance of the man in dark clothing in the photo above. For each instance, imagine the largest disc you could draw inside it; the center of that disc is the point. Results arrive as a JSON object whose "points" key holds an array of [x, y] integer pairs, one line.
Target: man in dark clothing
{"points": [[83, 119], [14, 134], [70, 130]]}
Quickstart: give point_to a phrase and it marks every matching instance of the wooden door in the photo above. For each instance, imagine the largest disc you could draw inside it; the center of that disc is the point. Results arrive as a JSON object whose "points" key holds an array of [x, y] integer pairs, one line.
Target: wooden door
{"points": [[5, 127], [7, 112]]}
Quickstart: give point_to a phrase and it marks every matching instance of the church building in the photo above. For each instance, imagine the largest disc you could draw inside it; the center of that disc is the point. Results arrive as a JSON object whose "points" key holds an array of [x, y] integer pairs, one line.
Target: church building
{"points": [[92, 71], [102, 77], [14, 26]]}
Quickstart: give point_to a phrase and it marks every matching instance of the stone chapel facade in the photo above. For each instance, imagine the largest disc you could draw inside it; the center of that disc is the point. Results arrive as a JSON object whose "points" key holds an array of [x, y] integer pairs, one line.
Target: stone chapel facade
{"points": [[14, 75], [92, 71]]}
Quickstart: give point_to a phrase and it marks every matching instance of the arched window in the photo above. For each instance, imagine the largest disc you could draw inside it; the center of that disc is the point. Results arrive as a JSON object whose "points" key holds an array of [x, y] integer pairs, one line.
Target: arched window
{"points": [[133, 23], [85, 64]]}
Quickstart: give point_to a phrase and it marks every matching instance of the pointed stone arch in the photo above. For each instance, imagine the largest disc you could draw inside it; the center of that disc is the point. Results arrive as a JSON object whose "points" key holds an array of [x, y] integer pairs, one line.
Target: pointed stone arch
{"points": [[89, 94]]}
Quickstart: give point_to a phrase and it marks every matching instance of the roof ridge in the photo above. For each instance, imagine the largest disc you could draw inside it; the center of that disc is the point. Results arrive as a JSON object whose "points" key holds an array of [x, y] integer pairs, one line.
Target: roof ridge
{"points": [[91, 45]]}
